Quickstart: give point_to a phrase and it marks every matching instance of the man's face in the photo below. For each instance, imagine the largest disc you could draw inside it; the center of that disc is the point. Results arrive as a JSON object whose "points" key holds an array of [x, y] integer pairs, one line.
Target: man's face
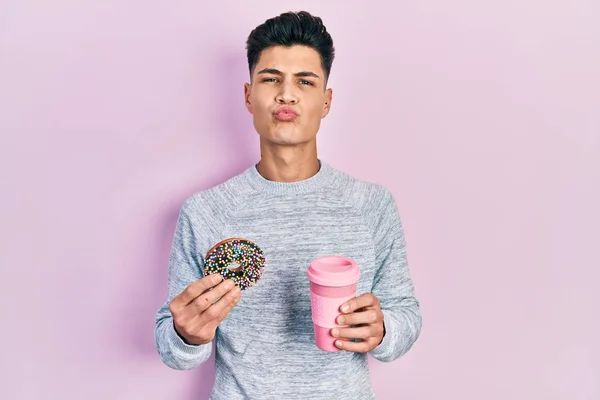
{"points": [[287, 95]]}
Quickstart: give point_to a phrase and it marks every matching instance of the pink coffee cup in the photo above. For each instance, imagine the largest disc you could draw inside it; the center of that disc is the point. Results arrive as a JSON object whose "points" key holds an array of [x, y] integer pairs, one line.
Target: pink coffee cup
{"points": [[333, 281]]}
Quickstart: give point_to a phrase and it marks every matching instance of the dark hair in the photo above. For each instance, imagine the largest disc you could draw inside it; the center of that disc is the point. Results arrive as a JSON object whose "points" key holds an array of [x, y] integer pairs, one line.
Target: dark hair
{"points": [[288, 29]]}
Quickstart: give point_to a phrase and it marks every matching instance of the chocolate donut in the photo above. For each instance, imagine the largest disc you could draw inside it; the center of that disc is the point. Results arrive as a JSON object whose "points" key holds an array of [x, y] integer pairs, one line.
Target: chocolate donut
{"points": [[240, 260]]}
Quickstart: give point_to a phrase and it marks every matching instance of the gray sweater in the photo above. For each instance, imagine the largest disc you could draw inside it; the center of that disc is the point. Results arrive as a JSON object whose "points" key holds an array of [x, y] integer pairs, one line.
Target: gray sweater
{"points": [[265, 347]]}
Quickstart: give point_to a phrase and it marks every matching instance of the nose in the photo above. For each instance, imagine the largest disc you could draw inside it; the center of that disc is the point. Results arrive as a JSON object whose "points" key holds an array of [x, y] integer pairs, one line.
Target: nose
{"points": [[286, 94]]}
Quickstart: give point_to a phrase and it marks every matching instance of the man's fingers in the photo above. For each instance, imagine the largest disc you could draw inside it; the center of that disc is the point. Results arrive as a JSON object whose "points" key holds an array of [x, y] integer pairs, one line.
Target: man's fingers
{"points": [[197, 288], [217, 312], [207, 299], [365, 300], [361, 332], [368, 316], [357, 347]]}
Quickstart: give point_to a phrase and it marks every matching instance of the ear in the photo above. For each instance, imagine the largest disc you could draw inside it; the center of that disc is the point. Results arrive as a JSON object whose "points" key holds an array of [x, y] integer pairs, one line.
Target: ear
{"points": [[327, 105], [248, 97]]}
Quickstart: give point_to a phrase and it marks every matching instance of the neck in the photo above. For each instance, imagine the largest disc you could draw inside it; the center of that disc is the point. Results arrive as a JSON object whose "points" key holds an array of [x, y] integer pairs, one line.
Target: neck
{"points": [[288, 163]]}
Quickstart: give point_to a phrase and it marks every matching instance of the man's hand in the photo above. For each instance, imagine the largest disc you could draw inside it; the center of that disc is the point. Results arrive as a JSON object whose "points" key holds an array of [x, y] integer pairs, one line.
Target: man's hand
{"points": [[200, 308], [365, 318]]}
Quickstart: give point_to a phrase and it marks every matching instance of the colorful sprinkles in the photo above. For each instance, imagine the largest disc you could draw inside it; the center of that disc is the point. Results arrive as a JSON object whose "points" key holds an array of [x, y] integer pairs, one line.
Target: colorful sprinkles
{"points": [[238, 259]]}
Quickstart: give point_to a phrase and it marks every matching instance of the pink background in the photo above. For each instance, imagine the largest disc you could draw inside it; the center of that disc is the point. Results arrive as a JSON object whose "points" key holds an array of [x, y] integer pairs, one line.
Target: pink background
{"points": [[482, 117]]}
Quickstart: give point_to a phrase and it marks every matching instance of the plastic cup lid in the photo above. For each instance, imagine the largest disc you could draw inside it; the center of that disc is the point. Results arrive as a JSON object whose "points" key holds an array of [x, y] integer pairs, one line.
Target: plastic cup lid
{"points": [[333, 271]]}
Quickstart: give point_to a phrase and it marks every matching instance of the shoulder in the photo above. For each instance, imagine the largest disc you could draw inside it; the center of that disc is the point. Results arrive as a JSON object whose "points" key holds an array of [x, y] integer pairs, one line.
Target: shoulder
{"points": [[363, 194], [217, 200], [372, 201]]}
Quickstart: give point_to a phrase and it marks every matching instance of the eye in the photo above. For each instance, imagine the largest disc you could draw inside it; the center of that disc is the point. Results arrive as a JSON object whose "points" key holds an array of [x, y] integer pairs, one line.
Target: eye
{"points": [[305, 82], [269, 80]]}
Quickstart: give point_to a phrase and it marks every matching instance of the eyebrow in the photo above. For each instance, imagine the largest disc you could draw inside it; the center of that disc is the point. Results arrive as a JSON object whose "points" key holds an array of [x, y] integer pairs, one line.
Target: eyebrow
{"points": [[274, 71]]}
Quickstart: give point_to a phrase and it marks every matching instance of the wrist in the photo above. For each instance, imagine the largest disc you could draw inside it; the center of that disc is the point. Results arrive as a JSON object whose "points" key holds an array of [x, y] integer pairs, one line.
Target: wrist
{"points": [[183, 339], [383, 335]]}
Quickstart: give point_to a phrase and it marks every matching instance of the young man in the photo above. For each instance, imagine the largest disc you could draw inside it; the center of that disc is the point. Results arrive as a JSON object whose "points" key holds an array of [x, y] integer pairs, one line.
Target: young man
{"points": [[295, 207]]}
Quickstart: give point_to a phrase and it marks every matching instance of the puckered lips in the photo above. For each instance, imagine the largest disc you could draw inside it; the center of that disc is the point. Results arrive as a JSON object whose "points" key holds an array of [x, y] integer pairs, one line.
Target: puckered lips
{"points": [[285, 113]]}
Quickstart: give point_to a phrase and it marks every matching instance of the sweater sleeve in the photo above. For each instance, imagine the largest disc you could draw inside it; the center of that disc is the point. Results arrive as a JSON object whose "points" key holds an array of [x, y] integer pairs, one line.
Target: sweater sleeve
{"points": [[393, 285], [185, 266]]}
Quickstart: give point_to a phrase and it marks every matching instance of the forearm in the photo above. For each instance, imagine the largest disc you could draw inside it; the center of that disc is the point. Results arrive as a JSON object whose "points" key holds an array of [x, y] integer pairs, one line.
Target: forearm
{"points": [[402, 329], [394, 288], [173, 351], [184, 269]]}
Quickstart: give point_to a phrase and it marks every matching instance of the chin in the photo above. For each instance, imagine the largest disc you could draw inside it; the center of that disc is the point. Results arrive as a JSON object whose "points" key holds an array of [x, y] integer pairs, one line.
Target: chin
{"points": [[280, 141], [285, 137]]}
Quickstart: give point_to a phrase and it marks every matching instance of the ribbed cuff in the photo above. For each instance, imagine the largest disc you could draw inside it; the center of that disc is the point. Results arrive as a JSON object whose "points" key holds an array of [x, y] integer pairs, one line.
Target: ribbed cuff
{"points": [[182, 347], [386, 347]]}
